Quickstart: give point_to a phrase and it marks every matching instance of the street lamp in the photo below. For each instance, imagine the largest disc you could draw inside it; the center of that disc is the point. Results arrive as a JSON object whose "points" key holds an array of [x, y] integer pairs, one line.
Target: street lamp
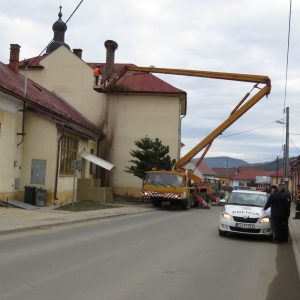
{"points": [[286, 148]]}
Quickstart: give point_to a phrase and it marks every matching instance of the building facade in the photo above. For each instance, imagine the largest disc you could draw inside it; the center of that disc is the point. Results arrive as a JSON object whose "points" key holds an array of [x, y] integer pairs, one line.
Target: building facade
{"points": [[124, 117]]}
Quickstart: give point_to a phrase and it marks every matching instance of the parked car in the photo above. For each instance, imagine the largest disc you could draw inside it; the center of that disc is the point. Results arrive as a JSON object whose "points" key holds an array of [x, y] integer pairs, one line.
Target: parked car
{"points": [[243, 213]]}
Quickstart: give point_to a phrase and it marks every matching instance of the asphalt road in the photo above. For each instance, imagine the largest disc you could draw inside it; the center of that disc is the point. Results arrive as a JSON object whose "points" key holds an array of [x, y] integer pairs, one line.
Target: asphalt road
{"points": [[165, 254]]}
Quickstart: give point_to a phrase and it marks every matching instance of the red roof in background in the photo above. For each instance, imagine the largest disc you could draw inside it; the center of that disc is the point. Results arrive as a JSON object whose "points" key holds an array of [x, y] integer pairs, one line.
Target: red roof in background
{"points": [[205, 169], [248, 174], [13, 84], [225, 172], [34, 62]]}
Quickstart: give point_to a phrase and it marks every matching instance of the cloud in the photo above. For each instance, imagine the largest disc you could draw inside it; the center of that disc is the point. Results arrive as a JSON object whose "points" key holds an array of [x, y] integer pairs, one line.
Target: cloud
{"points": [[224, 36]]}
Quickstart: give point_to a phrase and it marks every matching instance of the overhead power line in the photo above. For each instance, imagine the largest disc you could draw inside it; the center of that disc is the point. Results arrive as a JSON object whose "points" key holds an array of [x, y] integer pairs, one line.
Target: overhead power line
{"points": [[294, 145], [74, 11], [66, 23], [252, 129], [287, 54]]}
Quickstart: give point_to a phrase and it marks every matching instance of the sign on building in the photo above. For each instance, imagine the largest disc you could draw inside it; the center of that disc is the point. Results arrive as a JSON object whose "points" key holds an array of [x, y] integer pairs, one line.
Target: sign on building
{"points": [[263, 180]]}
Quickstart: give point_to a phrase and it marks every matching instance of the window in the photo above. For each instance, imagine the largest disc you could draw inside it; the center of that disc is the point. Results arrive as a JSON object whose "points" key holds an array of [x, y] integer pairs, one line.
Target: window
{"points": [[69, 147]]}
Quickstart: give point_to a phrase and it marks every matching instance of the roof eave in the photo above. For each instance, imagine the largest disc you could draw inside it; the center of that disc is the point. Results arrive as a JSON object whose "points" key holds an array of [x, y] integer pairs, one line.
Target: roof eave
{"points": [[43, 110]]}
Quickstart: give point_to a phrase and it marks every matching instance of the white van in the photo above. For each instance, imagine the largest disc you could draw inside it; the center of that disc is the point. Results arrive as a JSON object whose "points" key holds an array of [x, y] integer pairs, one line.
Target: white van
{"points": [[243, 213]]}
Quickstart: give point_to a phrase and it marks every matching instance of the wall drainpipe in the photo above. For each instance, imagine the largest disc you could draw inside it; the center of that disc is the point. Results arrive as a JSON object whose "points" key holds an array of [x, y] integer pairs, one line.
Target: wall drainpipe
{"points": [[98, 154], [24, 104], [23, 125], [57, 166]]}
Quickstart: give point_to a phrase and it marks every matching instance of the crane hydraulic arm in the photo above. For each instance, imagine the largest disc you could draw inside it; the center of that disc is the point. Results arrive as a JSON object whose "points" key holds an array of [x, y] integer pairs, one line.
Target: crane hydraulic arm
{"points": [[238, 111]]}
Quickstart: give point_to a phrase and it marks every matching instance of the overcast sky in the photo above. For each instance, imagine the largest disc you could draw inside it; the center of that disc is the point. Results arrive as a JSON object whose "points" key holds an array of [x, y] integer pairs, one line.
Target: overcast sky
{"points": [[237, 36]]}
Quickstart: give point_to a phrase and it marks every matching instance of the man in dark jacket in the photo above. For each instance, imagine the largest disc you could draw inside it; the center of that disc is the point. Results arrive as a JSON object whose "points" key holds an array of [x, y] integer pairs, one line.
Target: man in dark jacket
{"points": [[285, 230], [280, 210]]}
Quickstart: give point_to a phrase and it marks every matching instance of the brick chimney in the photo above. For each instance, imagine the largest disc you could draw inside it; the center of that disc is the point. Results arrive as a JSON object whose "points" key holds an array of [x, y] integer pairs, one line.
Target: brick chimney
{"points": [[78, 52], [111, 47], [14, 57]]}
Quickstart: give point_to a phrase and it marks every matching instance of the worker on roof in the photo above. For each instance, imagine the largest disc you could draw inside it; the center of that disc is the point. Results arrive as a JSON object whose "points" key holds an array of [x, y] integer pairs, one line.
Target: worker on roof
{"points": [[97, 74]]}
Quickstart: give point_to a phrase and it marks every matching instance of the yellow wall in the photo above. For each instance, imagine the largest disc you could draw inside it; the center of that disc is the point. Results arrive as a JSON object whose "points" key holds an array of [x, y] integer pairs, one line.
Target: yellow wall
{"points": [[40, 142], [71, 78], [131, 117], [10, 153]]}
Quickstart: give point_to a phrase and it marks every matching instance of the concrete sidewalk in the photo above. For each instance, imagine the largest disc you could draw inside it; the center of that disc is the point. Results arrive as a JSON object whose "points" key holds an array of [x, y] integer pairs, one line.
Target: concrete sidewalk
{"points": [[16, 219]]}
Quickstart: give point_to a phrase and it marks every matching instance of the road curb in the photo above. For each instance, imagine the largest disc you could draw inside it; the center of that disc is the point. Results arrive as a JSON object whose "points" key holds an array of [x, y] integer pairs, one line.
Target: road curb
{"points": [[69, 222], [295, 246]]}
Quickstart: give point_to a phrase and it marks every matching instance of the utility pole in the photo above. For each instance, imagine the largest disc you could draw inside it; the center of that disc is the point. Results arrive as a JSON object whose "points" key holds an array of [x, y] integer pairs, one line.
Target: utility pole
{"points": [[287, 138], [277, 162], [227, 171]]}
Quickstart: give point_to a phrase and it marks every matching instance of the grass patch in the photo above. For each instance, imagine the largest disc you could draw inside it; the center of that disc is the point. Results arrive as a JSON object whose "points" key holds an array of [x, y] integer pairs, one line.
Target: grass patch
{"points": [[86, 205], [130, 200]]}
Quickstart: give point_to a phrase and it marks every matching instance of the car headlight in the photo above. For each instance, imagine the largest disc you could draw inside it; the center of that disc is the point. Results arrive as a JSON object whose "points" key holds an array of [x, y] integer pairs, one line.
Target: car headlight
{"points": [[264, 220], [146, 193], [226, 217]]}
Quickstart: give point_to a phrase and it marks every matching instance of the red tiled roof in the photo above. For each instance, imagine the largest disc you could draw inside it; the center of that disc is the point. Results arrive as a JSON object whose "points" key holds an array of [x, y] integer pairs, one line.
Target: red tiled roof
{"points": [[225, 172], [248, 174], [13, 84], [205, 169], [34, 62], [139, 82]]}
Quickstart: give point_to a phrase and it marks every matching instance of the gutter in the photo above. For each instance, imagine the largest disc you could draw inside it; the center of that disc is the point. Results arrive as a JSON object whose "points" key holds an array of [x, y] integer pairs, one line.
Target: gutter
{"points": [[57, 165]]}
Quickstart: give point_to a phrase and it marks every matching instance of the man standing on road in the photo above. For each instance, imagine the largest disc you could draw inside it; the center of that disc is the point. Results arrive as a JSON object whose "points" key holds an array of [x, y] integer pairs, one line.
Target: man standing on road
{"points": [[280, 208], [285, 229]]}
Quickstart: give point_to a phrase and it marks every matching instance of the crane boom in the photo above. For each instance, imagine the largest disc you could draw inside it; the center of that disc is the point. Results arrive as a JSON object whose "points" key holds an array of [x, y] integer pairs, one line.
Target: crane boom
{"points": [[239, 110], [215, 133], [204, 74]]}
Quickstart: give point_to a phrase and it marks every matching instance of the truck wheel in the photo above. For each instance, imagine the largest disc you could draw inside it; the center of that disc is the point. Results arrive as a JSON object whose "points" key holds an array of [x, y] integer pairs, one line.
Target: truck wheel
{"points": [[156, 203], [187, 204]]}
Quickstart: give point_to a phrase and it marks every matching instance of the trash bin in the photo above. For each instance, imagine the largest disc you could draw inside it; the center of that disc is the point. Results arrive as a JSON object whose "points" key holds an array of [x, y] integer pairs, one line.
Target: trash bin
{"points": [[29, 196], [40, 197]]}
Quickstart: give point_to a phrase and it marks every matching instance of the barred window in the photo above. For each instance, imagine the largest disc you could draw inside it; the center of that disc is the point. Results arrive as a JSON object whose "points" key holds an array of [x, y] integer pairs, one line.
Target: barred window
{"points": [[69, 147]]}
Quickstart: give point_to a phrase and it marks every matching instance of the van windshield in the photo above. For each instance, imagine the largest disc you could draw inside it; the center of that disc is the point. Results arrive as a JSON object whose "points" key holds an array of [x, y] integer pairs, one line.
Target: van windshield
{"points": [[247, 199]]}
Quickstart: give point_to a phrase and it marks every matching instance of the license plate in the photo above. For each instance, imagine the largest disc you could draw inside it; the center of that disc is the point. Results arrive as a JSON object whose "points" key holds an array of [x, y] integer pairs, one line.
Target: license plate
{"points": [[241, 225]]}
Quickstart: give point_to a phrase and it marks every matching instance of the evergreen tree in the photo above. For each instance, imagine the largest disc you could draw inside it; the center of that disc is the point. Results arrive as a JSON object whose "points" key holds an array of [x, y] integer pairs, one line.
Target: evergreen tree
{"points": [[150, 154]]}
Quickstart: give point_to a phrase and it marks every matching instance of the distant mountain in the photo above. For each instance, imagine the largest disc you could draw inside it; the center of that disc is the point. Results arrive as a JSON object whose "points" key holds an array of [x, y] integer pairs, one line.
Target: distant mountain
{"points": [[273, 165], [222, 161], [225, 162]]}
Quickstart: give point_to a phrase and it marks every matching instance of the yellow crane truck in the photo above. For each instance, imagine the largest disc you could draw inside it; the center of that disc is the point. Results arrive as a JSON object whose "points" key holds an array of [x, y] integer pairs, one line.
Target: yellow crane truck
{"points": [[181, 186]]}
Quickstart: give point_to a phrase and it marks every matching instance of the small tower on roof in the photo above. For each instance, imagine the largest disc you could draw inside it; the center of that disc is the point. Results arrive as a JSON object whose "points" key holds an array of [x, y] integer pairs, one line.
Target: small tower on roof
{"points": [[59, 29]]}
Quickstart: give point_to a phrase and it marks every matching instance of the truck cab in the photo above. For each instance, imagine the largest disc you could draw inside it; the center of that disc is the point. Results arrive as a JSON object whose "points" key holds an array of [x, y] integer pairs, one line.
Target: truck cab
{"points": [[168, 186]]}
